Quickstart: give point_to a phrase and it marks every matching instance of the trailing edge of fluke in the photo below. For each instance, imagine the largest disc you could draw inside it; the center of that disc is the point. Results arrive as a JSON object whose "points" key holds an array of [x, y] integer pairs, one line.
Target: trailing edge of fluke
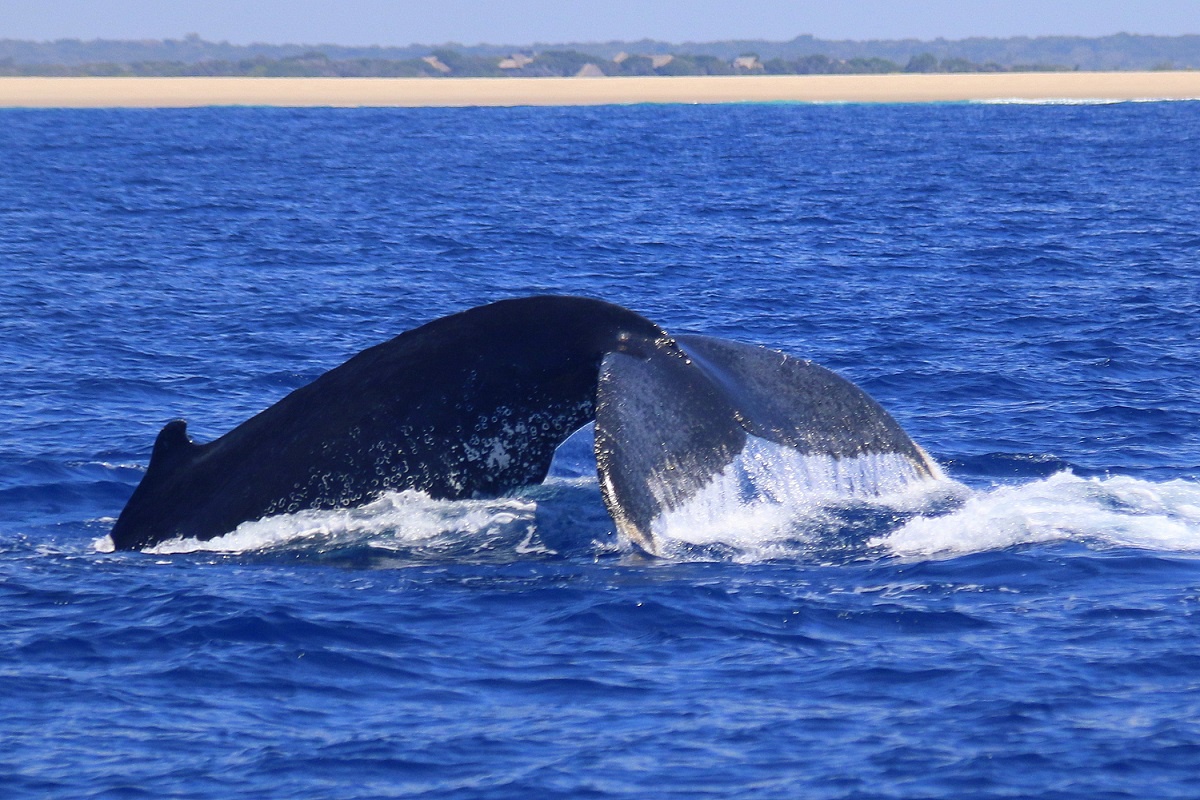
{"points": [[475, 403]]}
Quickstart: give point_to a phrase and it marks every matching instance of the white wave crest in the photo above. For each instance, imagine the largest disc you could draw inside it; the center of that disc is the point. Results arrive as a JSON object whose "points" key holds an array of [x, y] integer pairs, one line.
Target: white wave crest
{"points": [[1117, 511]]}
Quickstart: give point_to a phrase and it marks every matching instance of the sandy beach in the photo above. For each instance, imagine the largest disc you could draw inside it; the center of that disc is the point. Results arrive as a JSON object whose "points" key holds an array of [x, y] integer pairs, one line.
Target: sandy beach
{"points": [[413, 92]]}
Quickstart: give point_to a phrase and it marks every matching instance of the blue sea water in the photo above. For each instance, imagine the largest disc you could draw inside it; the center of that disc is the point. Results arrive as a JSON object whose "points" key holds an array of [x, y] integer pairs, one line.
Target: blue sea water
{"points": [[1017, 284]]}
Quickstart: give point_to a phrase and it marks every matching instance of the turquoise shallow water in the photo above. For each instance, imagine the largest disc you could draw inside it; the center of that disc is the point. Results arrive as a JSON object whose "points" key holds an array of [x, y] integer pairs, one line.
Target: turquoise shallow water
{"points": [[1016, 284]]}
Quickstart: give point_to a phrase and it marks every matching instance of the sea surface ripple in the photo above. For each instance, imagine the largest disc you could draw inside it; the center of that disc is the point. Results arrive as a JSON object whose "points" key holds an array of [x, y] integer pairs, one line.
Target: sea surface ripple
{"points": [[1017, 284]]}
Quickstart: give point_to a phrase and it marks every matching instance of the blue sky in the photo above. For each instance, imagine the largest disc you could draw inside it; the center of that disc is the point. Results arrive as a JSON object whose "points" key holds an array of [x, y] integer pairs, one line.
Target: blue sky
{"points": [[401, 22]]}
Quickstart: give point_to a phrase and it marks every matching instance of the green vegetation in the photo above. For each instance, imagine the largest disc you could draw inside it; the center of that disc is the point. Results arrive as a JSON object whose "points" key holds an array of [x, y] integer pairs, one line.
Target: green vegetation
{"points": [[551, 63], [804, 55], [313, 65]]}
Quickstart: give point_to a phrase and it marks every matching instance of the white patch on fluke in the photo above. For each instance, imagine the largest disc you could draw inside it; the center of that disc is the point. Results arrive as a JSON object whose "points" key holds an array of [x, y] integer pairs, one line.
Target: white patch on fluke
{"points": [[498, 459], [1118, 512]]}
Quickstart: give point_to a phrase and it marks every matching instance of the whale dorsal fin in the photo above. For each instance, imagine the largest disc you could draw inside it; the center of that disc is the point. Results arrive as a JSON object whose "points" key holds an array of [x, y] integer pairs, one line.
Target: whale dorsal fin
{"points": [[172, 448]]}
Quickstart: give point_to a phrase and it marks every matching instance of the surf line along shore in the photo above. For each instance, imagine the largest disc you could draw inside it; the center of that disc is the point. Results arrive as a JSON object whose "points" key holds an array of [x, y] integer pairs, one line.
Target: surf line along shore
{"points": [[46, 92]]}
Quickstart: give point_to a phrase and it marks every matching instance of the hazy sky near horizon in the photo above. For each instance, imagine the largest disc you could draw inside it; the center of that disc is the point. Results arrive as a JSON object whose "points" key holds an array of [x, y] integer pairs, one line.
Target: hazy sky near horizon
{"points": [[402, 22]]}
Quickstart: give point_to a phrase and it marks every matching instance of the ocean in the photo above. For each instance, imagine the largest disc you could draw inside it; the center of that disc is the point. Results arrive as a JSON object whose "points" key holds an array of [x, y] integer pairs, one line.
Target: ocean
{"points": [[1016, 283]]}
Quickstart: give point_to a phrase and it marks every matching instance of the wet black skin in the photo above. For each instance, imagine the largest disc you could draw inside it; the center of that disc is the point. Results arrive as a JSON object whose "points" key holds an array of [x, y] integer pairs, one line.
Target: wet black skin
{"points": [[469, 405]]}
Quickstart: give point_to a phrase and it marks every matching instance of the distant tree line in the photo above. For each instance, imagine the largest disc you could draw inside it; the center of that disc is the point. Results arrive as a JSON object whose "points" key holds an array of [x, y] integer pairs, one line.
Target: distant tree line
{"points": [[551, 63], [1117, 52], [924, 62]]}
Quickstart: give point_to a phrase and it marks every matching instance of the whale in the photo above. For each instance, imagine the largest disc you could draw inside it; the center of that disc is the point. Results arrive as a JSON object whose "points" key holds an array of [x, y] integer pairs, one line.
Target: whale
{"points": [[474, 405]]}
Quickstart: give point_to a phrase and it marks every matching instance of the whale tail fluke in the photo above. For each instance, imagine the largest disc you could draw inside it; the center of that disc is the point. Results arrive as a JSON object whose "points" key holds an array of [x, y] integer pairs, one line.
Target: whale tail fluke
{"points": [[474, 404], [671, 421]]}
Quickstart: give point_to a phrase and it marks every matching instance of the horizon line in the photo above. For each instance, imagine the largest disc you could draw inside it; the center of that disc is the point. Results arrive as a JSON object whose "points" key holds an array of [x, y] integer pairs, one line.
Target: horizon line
{"points": [[195, 37]]}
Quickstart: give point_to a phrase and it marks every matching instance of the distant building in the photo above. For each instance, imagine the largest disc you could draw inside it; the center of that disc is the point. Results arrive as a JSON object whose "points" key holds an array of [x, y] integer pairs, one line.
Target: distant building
{"points": [[515, 61], [747, 63]]}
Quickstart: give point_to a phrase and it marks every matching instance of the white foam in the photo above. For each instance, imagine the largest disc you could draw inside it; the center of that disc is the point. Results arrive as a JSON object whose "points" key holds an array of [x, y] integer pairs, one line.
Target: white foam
{"points": [[770, 502], [397, 519], [1117, 511], [1075, 101]]}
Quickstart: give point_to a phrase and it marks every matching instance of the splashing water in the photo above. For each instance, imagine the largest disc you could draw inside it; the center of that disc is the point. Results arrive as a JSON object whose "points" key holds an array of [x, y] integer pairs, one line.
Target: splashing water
{"points": [[1118, 511], [769, 503], [772, 501], [406, 522]]}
